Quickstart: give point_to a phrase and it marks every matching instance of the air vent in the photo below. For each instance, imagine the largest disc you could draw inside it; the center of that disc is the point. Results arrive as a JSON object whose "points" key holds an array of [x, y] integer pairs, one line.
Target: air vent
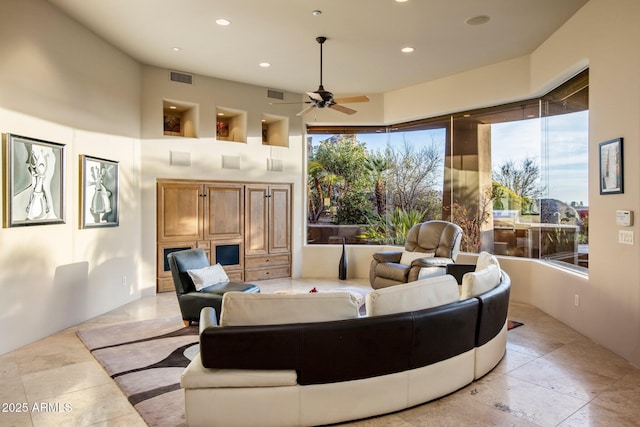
{"points": [[181, 77], [275, 94]]}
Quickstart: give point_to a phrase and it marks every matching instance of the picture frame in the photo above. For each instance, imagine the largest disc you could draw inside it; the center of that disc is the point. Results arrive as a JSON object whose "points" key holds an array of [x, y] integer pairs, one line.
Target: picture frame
{"points": [[222, 129], [172, 125], [611, 167], [34, 181], [99, 195]]}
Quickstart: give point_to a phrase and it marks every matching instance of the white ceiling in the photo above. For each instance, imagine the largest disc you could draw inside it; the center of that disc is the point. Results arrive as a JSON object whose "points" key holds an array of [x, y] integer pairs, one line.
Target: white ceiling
{"points": [[364, 37]]}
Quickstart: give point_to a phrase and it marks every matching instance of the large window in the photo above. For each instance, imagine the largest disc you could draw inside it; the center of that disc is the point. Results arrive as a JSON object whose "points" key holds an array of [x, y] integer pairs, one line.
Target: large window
{"points": [[513, 176]]}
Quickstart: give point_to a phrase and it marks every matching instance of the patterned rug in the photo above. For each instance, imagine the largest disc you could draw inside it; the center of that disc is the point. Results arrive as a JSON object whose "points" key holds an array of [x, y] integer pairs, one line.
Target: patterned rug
{"points": [[146, 359]]}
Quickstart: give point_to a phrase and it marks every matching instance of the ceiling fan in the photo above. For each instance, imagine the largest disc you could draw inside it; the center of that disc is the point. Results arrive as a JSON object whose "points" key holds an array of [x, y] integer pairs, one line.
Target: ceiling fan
{"points": [[322, 98]]}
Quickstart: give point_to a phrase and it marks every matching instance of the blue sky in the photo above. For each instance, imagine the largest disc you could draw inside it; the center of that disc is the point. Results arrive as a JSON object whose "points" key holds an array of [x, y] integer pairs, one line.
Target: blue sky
{"points": [[565, 149]]}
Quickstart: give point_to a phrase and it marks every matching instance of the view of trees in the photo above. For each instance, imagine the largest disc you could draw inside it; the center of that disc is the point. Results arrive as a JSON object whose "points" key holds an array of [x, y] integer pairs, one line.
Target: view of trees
{"points": [[518, 183], [386, 191]]}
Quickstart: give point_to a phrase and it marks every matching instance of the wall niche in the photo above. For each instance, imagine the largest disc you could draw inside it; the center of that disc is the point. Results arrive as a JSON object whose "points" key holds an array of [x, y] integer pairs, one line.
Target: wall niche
{"points": [[275, 130], [180, 119], [231, 125]]}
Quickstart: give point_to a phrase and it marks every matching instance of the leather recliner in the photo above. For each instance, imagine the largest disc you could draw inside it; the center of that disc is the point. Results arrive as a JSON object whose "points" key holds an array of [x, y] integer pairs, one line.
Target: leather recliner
{"points": [[191, 301], [438, 240]]}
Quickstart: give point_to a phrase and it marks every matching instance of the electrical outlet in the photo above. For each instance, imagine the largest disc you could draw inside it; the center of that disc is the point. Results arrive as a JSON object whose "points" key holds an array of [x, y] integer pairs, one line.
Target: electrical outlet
{"points": [[124, 281], [625, 237], [576, 300]]}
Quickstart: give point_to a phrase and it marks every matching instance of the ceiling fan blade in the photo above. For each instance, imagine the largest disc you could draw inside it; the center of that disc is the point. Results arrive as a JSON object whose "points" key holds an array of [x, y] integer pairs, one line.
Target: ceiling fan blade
{"points": [[316, 96], [289, 103], [306, 110], [352, 99], [343, 109]]}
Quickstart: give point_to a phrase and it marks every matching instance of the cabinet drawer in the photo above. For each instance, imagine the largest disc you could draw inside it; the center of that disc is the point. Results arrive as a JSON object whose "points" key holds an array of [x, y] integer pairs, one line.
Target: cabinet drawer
{"points": [[267, 273], [166, 285], [235, 276], [266, 260]]}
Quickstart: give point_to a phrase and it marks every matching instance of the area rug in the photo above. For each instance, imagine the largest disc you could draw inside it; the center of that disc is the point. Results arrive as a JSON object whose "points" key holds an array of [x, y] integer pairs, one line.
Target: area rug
{"points": [[512, 324], [146, 359]]}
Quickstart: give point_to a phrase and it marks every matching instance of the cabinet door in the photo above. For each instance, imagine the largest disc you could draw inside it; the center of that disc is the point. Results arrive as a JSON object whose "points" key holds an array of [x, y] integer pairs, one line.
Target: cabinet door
{"points": [[279, 219], [224, 211], [179, 212], [256, 220]]}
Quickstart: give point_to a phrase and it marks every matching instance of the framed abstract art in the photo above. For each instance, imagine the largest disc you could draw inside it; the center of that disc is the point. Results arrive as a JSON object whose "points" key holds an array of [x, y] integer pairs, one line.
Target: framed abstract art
{"points": [[34, 181], [611, 167], [99, 198]]}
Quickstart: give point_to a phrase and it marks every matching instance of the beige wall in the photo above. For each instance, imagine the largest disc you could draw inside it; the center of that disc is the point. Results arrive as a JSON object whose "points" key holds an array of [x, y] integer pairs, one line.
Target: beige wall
{"points": [[603, 35], [206, 152], [60, 83], [606, 34]]}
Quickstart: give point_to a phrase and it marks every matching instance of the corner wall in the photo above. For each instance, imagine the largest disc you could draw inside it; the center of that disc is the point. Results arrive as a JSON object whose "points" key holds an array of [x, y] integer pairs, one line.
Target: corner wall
{"points": [[602, 35], [52, 88]]}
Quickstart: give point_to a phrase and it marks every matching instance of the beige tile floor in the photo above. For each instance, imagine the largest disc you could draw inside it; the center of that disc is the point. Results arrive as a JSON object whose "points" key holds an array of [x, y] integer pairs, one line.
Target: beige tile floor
{"points": [[551, 375]]}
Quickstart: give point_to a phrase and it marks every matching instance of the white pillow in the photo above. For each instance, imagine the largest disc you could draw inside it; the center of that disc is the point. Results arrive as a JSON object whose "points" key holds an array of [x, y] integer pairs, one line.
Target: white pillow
{"points": [[479, 282], [485, 259], [418, 295], [243, 308], [208, 276], [408, 257]]}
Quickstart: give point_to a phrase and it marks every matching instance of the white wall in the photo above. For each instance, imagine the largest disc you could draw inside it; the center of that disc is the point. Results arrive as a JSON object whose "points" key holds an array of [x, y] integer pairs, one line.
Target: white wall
{"points": [[206, 152], [60, 83]]}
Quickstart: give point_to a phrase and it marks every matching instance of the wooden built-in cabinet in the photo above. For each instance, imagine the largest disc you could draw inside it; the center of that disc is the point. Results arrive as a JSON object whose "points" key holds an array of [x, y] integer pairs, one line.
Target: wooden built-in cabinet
{"points": [[244, 227], [268, 228]]}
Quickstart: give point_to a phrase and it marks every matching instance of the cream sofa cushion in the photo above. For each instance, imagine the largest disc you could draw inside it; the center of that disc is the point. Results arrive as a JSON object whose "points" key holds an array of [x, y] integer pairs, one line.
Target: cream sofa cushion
{"points": [[244, 309], [418, 295], [486, 259], [197, 376], [479, 281]]}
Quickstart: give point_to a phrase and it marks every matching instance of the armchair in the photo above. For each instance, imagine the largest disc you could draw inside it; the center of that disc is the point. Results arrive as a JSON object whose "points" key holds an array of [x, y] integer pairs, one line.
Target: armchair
{"points": [[191, 301], [429, 248]]}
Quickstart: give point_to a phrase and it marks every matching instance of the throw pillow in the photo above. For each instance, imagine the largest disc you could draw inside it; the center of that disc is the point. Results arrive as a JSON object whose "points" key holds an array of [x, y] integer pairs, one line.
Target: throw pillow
{"points": [[485, 259], [243, 309], [418, 295], [208, 276], [408, 257], [479, 282]]}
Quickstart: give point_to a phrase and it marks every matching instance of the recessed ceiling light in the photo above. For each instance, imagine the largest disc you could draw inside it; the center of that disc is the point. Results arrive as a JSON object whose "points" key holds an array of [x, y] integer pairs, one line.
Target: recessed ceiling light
{"points": [[401, 1], [477, 20], [265, 65], [172, 107], [176, 49], [223, 21], [407, 49], [221, 114], [316, 12]]}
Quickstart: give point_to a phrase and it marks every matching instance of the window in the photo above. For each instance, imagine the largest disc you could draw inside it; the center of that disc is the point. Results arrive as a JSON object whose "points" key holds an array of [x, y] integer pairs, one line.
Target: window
{"points": [[513, 176]]}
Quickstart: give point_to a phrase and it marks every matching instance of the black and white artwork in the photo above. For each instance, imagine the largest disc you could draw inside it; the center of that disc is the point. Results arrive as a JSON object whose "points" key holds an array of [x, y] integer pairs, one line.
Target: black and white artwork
{"points": [[99, 198], [34, 192]]}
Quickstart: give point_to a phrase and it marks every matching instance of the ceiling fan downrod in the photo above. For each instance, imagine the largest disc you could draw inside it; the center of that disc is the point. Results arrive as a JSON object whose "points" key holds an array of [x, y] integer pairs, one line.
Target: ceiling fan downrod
{"points": [[321, 40]]}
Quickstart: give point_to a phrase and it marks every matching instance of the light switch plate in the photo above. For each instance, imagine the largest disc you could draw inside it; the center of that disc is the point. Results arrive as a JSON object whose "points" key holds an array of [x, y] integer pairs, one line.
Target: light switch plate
{"points": [[625, 237]]}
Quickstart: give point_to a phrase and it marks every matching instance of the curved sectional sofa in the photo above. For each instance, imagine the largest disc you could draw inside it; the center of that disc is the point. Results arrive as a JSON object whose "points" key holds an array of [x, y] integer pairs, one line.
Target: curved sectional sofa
{"points": [[318, 371]]}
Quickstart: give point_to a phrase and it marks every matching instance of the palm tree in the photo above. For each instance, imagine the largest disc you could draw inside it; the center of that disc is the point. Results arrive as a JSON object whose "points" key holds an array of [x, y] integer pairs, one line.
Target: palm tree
{"points": [[377, 165]]}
